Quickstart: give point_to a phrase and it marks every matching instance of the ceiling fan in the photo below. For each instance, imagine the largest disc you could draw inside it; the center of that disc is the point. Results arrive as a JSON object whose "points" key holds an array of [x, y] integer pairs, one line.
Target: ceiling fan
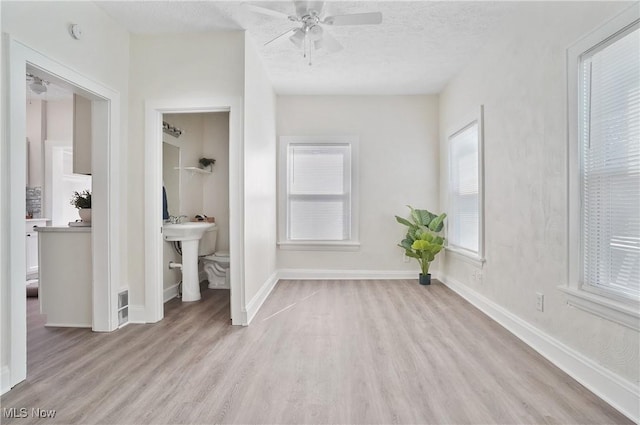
{"points": [[37, 84], [311, 17]]}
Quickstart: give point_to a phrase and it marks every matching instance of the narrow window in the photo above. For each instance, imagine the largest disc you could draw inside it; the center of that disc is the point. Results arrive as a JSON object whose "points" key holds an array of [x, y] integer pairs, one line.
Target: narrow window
{"points": [[464, 228], [609, 117]]}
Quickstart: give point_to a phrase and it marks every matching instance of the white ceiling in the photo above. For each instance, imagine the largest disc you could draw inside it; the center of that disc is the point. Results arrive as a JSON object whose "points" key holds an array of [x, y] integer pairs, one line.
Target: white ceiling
{"points": [[417, 49]]}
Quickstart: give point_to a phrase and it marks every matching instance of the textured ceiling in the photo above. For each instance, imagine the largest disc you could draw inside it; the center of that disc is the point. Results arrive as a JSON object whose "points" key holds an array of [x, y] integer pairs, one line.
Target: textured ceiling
{"points": [[417, 49]]}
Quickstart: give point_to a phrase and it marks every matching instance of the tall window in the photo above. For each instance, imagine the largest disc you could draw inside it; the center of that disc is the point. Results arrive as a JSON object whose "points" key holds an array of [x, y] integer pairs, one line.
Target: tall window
{"points": [[317, 191], [609, 120], [464, 220]]}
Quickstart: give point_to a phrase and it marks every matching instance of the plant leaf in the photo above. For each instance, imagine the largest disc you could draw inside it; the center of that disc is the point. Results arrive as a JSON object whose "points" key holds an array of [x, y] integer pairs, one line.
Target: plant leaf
{"points": [[437, 223], [406, 243], [404, 221], [415, 215], [426, 217], [412, 254]]}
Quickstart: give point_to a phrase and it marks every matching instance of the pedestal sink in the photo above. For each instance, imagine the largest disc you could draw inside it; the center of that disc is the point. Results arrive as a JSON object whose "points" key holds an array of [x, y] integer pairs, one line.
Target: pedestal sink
{"points": [[189, 234]]}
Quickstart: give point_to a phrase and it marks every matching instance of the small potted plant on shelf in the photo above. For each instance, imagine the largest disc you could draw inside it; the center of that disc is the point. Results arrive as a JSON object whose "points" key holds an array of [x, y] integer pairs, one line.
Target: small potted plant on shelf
{"points": [[207, 163], [82, 201], [422, 240]]}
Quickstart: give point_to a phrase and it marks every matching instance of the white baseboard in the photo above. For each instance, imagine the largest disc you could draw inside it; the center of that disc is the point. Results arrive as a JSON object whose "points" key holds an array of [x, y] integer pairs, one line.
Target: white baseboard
{"points": [[5, 381], [311, 274], [260, 297], [170, 293], [615, 390], [137, 314]]}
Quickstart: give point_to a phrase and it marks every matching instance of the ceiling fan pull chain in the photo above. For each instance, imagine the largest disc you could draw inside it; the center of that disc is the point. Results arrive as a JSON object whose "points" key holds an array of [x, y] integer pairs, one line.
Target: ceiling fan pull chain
{"points": [[304, 46]]}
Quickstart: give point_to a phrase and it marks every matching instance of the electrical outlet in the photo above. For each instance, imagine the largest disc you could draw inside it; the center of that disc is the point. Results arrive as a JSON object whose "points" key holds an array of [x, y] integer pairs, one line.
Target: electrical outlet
{"points": [[539, 301], [476, 276]]}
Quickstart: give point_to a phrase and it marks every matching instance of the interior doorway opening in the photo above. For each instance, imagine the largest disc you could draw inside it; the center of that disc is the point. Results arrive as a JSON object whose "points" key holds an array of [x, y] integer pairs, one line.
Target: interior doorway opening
{"points": [[154, 241], [104, 161], [195, 188]]}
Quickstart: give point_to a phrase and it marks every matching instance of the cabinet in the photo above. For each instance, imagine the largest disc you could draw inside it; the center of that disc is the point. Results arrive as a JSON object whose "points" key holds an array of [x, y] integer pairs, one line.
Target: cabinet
{"points": [[81, 135], [66, 276], [32, 245]]}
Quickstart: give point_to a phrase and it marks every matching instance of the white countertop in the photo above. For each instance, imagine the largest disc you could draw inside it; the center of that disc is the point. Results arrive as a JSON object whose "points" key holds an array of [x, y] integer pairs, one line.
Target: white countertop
{"points": [[38, 219], [48, 229]]}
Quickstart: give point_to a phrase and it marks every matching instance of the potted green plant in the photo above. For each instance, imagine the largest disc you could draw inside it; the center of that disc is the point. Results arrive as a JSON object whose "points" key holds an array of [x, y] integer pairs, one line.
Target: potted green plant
{"points": [[82, 201], [207, 163], [422, 240]]}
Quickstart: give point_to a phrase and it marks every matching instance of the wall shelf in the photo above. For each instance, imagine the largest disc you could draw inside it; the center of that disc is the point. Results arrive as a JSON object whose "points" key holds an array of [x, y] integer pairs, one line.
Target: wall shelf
{"points": [[193, 170]]}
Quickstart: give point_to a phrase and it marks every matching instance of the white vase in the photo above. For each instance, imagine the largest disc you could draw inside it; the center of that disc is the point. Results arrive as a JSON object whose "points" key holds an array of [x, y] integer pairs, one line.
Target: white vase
{"points": [[85, 214]]}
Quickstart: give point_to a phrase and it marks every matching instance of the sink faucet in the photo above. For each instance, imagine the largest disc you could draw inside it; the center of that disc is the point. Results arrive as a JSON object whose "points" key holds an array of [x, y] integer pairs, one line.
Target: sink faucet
{"points": [[177, 219]]}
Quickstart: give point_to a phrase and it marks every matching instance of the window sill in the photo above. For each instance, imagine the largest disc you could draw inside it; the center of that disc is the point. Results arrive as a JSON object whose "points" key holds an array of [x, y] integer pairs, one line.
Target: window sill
{"points": [[319, 245], [621, 313], [467, 257]]}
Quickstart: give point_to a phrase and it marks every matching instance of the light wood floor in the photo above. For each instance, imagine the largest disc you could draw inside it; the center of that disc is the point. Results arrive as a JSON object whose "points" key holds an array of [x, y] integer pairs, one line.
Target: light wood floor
{"points": [[317, 352]]}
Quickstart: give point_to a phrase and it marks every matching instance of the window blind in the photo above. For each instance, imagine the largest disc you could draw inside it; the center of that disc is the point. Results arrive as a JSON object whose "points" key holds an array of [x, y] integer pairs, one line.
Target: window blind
{"points": [[319, 192], [610, 138], [464, 214]]}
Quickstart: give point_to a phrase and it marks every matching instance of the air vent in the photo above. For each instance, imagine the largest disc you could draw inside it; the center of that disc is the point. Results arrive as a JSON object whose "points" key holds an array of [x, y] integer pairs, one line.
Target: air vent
{"points": [[123, 308]]}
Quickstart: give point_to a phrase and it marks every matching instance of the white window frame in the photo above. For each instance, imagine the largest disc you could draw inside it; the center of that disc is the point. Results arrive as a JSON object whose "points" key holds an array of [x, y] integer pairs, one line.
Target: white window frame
{"points": [[475, 258], [600, 303], [352, 244]]}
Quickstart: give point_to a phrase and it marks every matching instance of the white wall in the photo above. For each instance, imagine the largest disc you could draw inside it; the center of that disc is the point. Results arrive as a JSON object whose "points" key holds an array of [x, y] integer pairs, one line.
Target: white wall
{"points": [[521, 80], [260, 173], [180, 68], [36, 133], [4, 233], [215, 199], [101, 55], [46, 120], [60, 120], [398, 166]]}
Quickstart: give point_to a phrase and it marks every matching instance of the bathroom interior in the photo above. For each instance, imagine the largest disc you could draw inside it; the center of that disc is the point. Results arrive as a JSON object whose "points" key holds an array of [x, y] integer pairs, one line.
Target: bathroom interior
{"points": [[195, 173]]}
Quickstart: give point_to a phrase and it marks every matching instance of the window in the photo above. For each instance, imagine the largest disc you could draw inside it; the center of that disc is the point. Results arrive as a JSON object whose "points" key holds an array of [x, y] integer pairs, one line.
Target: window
{"points": [[610, 164], [604, 173], [464, 232], [318, 205]]}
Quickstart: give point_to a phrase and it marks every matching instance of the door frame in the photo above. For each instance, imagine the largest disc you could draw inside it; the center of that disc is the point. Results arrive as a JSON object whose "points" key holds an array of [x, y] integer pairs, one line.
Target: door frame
{"points": [[105, 162], [154, 109]]}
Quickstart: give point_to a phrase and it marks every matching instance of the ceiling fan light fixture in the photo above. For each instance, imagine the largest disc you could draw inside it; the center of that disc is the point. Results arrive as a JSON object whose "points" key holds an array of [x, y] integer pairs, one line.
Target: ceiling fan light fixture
{"points": [[298, 38], [38, 86], [315, 33]]}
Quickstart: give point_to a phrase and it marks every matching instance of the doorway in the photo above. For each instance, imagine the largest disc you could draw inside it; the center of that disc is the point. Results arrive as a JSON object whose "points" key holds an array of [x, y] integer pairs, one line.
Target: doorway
{"points": [[105, 243], [154, 264]]}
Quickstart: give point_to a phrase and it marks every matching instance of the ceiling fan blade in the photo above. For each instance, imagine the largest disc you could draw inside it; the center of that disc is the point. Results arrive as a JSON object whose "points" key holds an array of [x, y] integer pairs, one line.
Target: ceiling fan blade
{"points": [[305, 7], [372, 18], [329, 43], [287, 32], [301, 7], [298, 37], [265, 11]]}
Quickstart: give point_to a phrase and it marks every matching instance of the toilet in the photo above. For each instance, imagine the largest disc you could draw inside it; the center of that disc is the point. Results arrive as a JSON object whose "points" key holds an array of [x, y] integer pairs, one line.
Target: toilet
{"points": [[215, 264]]}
